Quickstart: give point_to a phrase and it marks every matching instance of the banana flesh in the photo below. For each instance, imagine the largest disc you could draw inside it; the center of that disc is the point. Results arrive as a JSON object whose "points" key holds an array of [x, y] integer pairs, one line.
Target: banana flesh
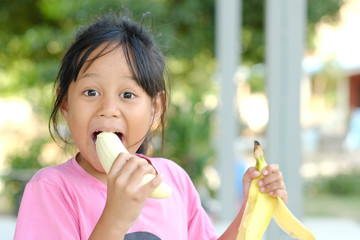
{"points": [[260, 208], [109, 146]]}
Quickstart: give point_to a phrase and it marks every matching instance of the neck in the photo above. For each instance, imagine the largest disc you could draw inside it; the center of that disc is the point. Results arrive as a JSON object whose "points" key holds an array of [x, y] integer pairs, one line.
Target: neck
{"points": [[90, 169]]}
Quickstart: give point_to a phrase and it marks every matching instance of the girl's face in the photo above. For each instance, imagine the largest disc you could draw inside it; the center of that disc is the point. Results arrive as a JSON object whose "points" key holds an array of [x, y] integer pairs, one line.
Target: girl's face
{"points": [[105, 97]]}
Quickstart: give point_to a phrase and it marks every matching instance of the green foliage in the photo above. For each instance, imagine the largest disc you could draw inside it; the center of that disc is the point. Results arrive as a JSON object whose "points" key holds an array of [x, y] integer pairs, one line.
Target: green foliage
{"points": [[190, 123], [257, 78], [325, 82], [34, 35], [253, 32], [336, 196], [329, 205], [189, 141], [28, 158], [325, 10], [341, 184], [23, 165]]}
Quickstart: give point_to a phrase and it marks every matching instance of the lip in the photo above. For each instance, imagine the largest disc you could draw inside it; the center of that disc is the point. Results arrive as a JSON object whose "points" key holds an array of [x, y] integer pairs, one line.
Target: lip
{"points": [[98, 131]]}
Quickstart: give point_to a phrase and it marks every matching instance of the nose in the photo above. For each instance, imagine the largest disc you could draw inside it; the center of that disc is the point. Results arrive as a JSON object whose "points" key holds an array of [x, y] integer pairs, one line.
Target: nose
{"points": [[109, 107]]}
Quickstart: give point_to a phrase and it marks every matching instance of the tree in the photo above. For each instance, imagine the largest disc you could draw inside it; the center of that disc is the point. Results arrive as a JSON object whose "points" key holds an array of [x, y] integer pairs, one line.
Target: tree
{"points": [[35, 33]]}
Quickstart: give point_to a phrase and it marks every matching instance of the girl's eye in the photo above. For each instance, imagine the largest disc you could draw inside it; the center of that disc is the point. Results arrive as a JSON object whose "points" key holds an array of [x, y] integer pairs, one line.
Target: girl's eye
{"points": [[127, 95], [91, 93]]}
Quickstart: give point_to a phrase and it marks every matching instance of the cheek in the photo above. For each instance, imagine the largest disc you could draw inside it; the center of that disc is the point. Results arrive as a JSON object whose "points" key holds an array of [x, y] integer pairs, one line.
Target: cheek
{"points": [[141, 122], [78, 122]]}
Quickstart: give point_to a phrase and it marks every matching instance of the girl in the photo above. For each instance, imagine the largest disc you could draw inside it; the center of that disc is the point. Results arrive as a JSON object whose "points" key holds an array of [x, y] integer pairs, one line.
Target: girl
{"points": [[112, 79]]}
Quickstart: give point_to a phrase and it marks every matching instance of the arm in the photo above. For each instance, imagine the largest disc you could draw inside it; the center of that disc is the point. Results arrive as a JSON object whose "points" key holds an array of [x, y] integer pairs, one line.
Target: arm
{"points": [[272, 183]]}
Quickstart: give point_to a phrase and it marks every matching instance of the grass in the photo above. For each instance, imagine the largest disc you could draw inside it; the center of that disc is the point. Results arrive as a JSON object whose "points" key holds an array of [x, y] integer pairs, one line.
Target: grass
{"points": [[330, 205], [335, 196]]}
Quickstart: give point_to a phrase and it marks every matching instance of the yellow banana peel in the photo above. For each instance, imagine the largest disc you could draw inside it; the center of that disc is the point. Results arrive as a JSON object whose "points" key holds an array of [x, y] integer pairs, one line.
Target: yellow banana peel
{"points": [[289, 223], [261, 207]]}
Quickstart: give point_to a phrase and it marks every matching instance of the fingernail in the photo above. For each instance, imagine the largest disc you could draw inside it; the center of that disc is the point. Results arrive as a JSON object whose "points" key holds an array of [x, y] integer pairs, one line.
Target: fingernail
{"points": [[262, 189], [260, 183], [265, 172]]}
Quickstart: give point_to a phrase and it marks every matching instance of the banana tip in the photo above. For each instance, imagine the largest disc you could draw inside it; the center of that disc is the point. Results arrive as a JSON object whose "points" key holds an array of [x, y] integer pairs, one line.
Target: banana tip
{"points": [[257, 149]]}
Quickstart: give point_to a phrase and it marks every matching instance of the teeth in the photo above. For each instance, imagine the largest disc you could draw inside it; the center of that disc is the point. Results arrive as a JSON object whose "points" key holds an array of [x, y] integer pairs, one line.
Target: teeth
{"points": [[94, 136]]}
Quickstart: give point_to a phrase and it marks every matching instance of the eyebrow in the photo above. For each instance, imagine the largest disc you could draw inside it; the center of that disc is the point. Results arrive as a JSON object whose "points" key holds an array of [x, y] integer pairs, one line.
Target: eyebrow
{"points": [[87, 74], [95, 75]]}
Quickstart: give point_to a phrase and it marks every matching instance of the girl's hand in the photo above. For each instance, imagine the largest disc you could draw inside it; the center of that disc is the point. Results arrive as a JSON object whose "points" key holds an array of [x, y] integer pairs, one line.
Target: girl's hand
{"points": [[126, 195], [271, 183]]}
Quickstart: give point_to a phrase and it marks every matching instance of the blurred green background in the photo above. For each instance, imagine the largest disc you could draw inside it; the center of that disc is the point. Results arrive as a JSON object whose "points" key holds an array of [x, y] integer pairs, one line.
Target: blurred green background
{"points": [[34, 35]]}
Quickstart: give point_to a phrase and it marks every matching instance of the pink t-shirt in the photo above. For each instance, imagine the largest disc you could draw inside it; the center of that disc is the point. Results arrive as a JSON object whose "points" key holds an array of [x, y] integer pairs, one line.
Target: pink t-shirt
{"points": [[65, 202]]}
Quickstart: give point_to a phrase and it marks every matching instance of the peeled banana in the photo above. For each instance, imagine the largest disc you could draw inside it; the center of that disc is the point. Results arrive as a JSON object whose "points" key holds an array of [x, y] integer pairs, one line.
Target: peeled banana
{"points": [[109, 146], [261, 207]]}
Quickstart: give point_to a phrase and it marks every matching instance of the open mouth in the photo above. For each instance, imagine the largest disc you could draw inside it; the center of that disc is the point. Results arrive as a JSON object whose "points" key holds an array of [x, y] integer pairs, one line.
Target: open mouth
{"points": [[95, 134]]}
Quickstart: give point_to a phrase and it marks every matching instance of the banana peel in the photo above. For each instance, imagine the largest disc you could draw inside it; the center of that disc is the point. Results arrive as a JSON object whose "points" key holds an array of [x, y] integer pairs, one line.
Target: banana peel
{"points": [[261, 207]]}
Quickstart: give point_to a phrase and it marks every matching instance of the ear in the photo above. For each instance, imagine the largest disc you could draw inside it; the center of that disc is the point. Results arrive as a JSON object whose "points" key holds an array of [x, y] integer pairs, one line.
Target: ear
{"points": [[158, 106], [63, 105]]}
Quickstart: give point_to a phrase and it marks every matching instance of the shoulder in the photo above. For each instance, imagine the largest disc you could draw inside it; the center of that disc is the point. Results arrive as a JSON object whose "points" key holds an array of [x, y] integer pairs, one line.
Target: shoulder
{"points": [[53, 174], [174, 175], [66, 175], [166, 166]]}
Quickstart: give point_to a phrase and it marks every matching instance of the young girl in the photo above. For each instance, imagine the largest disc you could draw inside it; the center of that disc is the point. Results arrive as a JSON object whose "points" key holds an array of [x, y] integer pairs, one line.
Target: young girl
{"points": [[112, 79]]}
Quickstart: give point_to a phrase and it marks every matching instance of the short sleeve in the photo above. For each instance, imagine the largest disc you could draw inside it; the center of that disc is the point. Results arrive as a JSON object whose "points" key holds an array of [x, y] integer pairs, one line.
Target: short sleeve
{"points": [[46, 212], [189, 215], [199, 225]]}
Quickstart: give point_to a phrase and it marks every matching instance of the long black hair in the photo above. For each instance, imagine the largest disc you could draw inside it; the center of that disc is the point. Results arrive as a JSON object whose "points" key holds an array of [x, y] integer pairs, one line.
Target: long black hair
{"points": [[144, 58]]}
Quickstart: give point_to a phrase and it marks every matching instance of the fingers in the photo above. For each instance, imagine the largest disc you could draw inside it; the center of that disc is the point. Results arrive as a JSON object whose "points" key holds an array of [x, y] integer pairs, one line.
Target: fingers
{"points": [[272, 179], [126, 194], [148, 187], [250, 174], [271, 168], [273, 183], [126, 175], [126, 163], [135, 185], [119, 162], [280, 193], [135, 164]]}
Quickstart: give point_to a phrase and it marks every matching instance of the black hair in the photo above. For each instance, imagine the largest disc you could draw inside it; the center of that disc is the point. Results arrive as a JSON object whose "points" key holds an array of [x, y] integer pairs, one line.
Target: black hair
{"points": [[144, 58]]}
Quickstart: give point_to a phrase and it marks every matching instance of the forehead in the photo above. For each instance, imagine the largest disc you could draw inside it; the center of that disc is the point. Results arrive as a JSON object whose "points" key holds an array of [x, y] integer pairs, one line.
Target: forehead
{"points": [[106, 55]]}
